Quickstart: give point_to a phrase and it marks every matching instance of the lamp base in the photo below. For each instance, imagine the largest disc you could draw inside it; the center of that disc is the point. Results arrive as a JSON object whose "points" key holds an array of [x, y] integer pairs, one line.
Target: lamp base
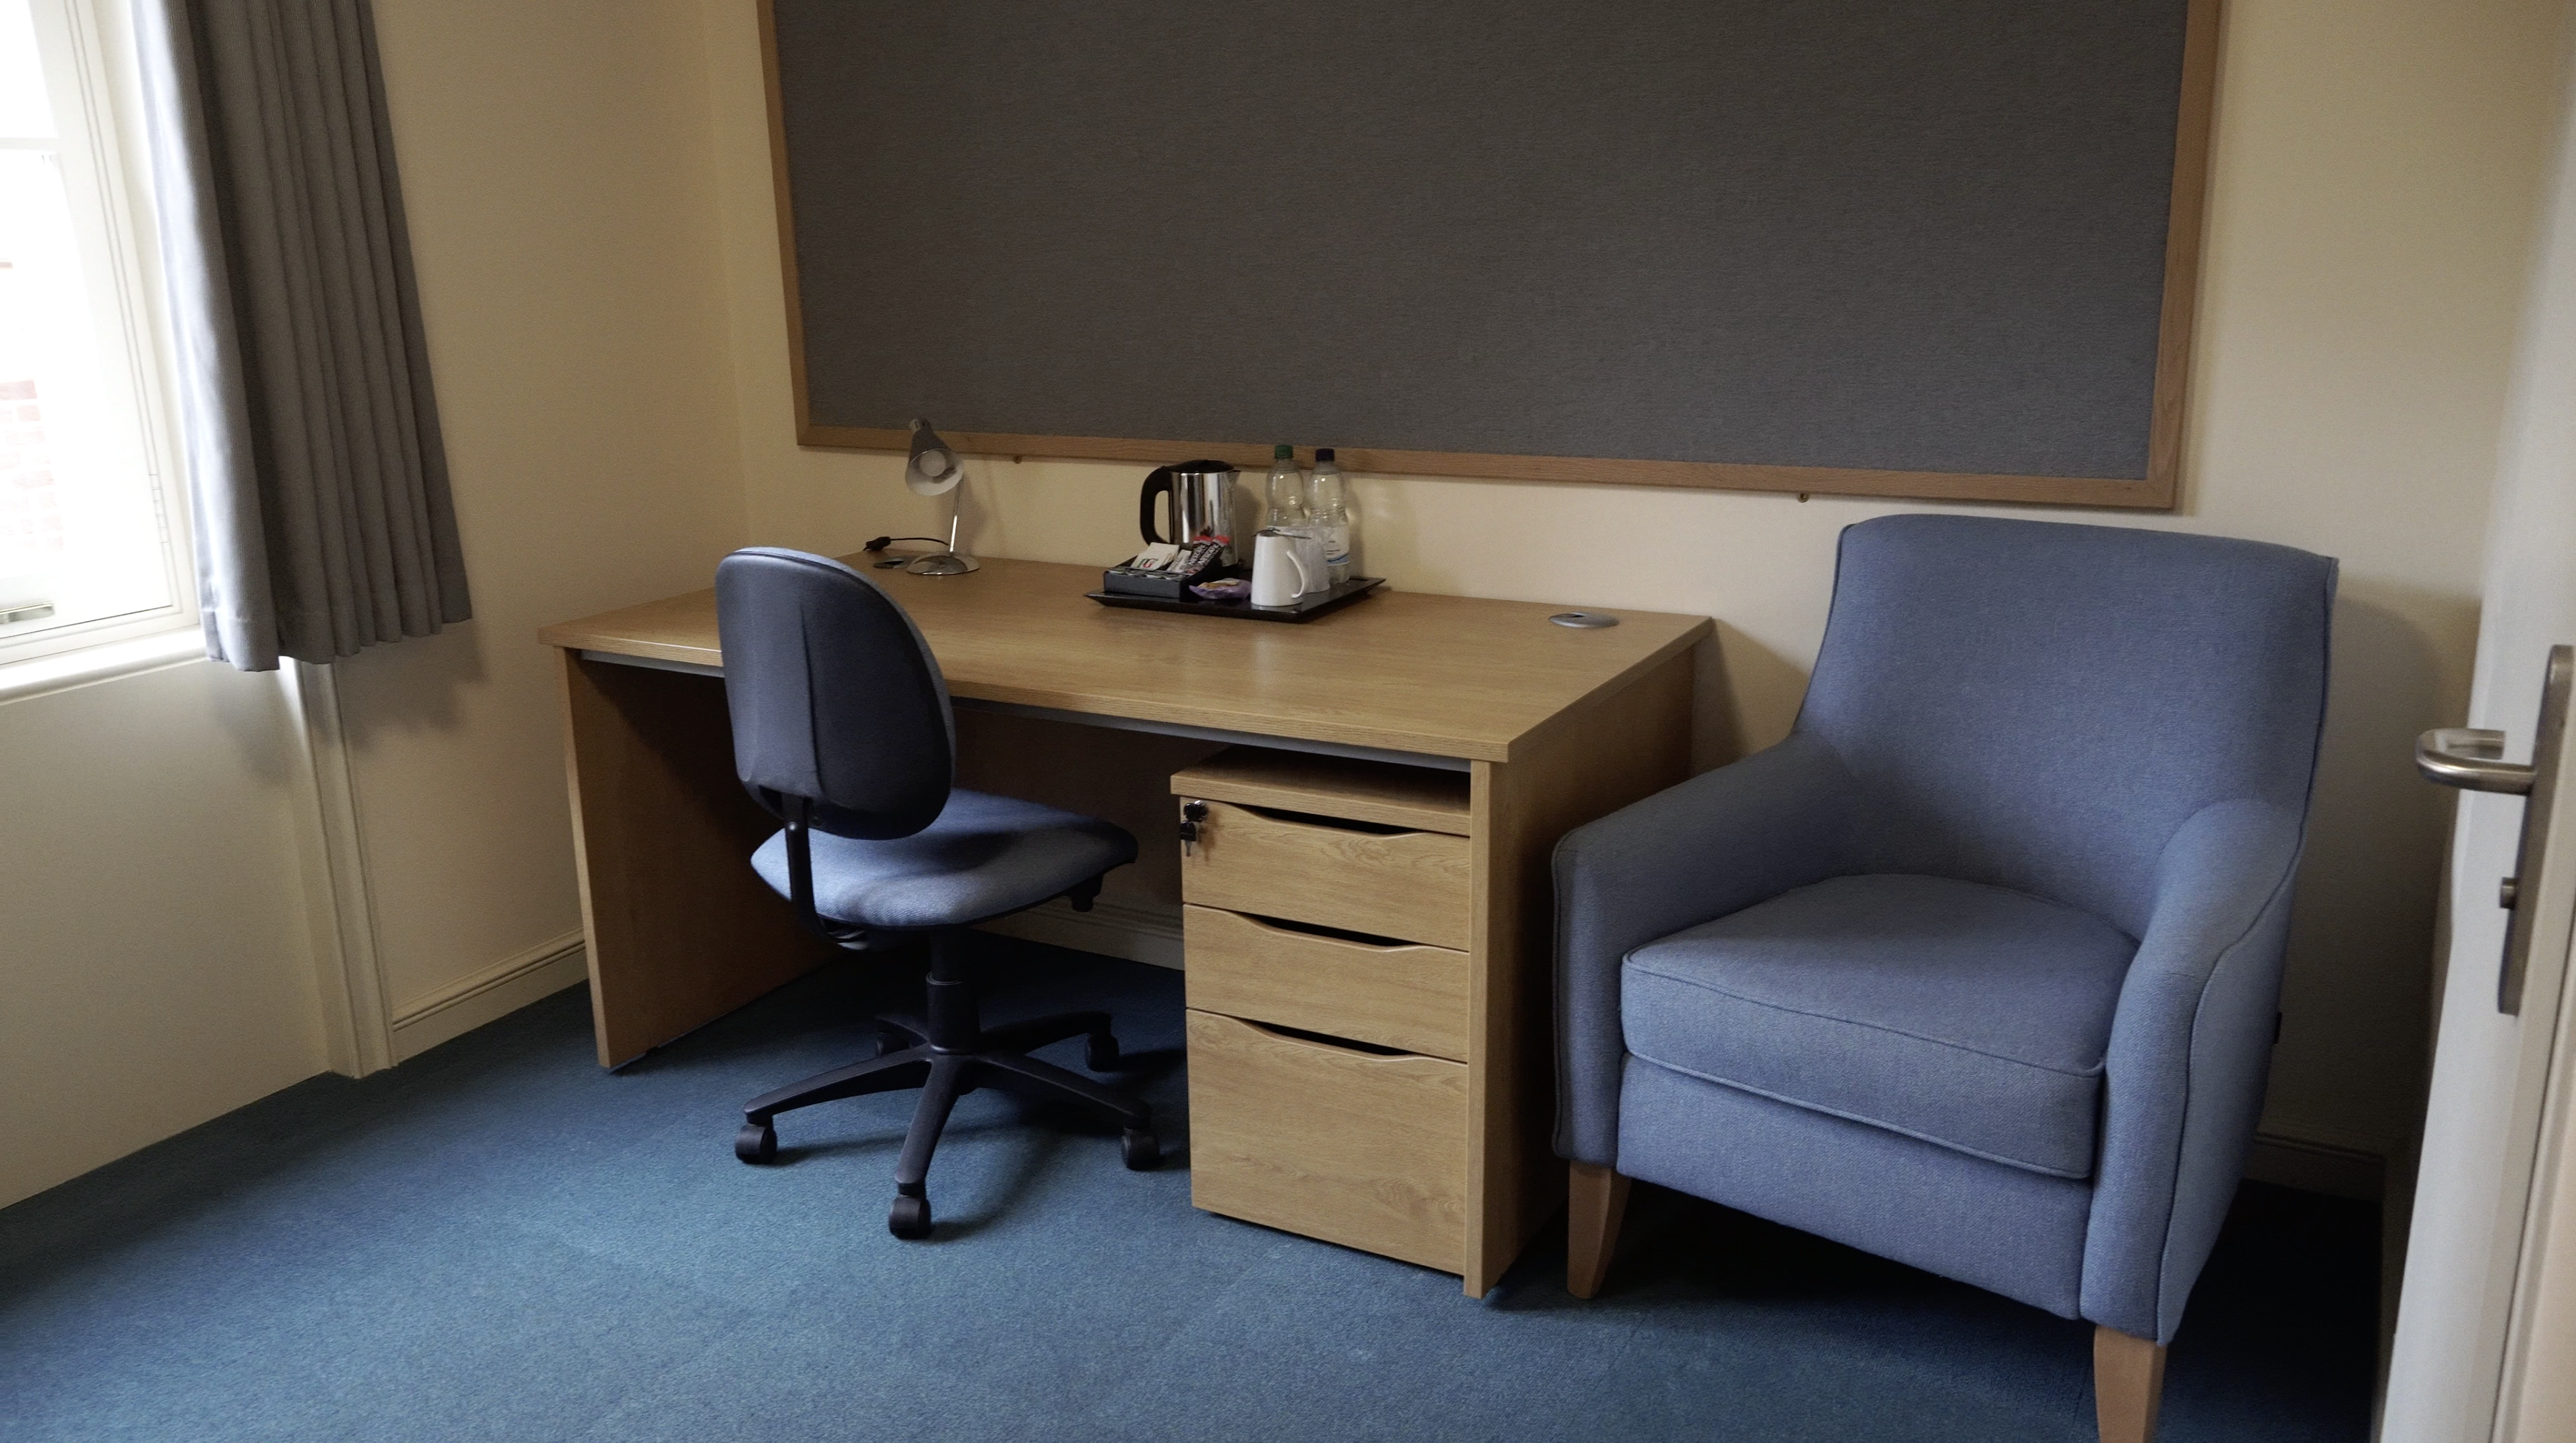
{"points": [[943, 563]]}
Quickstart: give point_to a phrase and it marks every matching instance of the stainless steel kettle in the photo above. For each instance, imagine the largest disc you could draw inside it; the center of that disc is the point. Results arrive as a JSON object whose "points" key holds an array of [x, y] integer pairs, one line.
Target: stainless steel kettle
{"points": [[1201, 504]]}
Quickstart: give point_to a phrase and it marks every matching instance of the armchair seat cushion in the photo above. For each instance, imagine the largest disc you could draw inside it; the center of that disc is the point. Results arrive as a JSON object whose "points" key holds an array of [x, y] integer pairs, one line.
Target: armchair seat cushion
{"points": [[984, 857], [1970, 1016]]}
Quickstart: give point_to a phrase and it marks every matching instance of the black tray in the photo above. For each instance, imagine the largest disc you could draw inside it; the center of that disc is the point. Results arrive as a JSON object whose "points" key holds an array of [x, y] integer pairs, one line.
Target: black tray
{"points": [[1307, 608]]}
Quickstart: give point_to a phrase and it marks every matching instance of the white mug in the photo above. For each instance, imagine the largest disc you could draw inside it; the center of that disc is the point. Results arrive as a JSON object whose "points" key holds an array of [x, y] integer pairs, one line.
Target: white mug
{"points": [[1280, 571]]}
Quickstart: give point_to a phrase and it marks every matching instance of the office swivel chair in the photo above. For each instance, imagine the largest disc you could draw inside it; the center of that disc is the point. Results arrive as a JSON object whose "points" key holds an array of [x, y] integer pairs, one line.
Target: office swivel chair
{"points": [[841, 729]]}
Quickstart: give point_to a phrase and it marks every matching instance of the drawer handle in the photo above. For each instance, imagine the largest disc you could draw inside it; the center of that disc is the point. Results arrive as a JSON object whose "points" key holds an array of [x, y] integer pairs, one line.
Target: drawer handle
{"points": [[1286, 928], [1332, 824], [1321, 1043]]}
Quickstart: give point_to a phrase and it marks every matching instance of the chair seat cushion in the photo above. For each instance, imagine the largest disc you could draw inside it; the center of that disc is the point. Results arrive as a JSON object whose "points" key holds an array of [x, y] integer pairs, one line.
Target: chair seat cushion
{"points": [[984, 857], [1970, 1016]]}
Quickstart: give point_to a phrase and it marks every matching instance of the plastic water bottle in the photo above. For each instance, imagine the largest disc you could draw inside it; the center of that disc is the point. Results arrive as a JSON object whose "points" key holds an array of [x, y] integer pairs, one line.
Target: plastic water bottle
{"points": [[1288, 513], [1285, 494], [1328, 509]]}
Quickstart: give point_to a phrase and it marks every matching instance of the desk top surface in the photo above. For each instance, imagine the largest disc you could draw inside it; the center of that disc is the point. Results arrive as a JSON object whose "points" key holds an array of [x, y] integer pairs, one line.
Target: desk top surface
{"points": [[1446, 676]]}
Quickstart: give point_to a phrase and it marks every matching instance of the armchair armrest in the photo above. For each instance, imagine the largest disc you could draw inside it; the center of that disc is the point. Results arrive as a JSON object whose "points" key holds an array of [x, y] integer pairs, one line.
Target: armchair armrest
{"points": [[2191, 1045], [1717, 843]]}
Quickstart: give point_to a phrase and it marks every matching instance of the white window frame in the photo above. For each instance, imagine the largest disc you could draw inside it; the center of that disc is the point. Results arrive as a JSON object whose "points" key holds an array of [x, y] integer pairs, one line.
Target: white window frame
{"points": [[87, 48]]}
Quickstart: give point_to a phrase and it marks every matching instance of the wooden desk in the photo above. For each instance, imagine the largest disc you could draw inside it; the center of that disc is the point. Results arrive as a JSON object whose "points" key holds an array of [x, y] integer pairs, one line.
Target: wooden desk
{"points": [[1555, 726]]}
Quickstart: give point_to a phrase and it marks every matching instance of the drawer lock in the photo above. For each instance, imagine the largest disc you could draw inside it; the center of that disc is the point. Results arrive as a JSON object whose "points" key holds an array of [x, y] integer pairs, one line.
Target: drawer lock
{"points": [[1192, 813]]}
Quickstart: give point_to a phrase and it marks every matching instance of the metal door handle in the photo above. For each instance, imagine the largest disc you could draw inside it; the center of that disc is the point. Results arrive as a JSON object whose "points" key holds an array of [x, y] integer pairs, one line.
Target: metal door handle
{"points": [[2472, 758]]}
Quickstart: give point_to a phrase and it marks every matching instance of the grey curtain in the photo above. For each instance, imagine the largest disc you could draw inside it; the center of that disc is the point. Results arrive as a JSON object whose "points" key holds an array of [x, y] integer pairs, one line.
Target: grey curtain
{"points": [[319, 484]]}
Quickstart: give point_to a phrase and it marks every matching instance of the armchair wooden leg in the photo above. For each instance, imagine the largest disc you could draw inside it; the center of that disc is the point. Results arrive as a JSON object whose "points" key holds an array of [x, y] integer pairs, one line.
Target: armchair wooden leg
{"points": [[1596, 1197], [2128, 1383]]}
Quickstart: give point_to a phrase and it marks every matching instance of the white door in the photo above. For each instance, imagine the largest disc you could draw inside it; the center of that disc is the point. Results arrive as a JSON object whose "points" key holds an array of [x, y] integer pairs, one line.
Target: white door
{"points": [[2539, 1401], [2465, 1367]]}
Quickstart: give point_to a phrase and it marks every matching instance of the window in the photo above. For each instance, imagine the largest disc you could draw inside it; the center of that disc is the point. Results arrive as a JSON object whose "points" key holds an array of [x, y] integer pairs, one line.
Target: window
{"points": [[88, 528]]}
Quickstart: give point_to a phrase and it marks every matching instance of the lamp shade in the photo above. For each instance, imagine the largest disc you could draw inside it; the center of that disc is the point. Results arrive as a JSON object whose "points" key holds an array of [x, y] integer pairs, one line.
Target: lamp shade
{"points": [[934, 467]]}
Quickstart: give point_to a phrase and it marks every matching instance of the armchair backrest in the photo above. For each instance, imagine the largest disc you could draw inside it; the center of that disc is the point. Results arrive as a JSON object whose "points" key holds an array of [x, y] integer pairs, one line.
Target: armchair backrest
{"points": [[2040, 706], [834, 695]]}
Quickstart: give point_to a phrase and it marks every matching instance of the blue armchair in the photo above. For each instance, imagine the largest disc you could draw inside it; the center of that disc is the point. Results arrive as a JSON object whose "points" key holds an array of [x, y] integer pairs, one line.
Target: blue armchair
{"points": [[1978, 969]]}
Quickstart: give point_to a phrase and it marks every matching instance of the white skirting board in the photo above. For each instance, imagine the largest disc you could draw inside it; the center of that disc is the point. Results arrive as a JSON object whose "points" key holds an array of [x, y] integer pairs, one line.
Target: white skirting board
{"points": [[2337, 1167], [1152, 934], [493, 993], [1144, 933], [1114, 929], [1139, 932]]}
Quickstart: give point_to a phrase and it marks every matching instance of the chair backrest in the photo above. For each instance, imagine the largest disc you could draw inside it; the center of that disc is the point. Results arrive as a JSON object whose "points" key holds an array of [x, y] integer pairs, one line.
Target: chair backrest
{"points": [[834, 694], [2039, 705]]}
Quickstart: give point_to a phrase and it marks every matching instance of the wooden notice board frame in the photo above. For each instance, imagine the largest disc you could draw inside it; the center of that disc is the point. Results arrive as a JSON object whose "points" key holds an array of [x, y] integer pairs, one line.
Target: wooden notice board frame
{"points": [[2159, 490]]}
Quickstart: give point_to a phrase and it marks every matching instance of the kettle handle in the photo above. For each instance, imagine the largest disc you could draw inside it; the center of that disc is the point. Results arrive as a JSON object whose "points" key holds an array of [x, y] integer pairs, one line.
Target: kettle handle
{"points": [[1159, 483]]}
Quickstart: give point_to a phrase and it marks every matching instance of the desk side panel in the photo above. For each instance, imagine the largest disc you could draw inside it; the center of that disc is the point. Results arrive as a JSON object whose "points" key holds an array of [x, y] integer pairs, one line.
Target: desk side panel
{"points": [[1618, 748], [681, 931]]}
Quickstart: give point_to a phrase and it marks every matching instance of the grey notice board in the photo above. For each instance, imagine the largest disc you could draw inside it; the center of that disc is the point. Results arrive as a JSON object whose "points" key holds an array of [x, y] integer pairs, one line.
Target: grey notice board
{"points": [[1928, 248]]}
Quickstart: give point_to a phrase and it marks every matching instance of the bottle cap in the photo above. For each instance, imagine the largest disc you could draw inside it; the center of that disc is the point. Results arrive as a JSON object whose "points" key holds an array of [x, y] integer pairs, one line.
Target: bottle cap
{"points": [[1283, 452], [1323, 453]]}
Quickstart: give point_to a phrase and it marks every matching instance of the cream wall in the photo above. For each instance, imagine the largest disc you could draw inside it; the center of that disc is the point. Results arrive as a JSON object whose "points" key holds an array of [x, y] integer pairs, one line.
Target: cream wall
{"points": [[154, 923], [558, 170], [155, 964], [155, 970], [2377, 169], [588, 188]]}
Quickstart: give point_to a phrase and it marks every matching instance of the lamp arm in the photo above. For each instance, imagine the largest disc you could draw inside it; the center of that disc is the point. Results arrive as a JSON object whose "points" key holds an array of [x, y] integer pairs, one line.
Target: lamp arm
{"points": [[951, 562]]}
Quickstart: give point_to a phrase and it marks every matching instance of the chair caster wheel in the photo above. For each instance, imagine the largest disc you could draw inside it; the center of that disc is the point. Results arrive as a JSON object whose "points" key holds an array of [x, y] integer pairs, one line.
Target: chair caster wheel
{"points": [[1142, 1151], [910, 1217], [1100, 1053], [756, 1143]]}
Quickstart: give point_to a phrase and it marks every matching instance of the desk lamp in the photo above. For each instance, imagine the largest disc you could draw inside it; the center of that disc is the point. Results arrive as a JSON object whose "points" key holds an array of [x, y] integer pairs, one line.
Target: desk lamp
{"points": [[934, 468]]}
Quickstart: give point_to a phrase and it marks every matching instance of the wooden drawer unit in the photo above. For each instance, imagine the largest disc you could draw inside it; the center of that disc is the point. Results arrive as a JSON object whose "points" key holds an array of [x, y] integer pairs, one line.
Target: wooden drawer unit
{"points": [[1355, 1147], [1358, 876], [1405, 996], [1369, 1057]]}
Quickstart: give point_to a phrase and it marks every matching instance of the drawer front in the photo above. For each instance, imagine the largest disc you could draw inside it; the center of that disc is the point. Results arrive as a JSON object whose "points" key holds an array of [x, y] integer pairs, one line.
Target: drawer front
{"points": [[1355, 1148], [1408, 885], [1409, 997]]}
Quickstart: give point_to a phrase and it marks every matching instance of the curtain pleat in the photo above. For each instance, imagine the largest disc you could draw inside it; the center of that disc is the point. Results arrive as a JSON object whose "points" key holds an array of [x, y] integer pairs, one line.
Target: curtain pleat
{"points": [[318, 481]]}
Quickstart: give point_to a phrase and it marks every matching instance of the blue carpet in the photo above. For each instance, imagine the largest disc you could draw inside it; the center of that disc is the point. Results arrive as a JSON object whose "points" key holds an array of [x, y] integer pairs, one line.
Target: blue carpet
{"points": [[498, 1240]]}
